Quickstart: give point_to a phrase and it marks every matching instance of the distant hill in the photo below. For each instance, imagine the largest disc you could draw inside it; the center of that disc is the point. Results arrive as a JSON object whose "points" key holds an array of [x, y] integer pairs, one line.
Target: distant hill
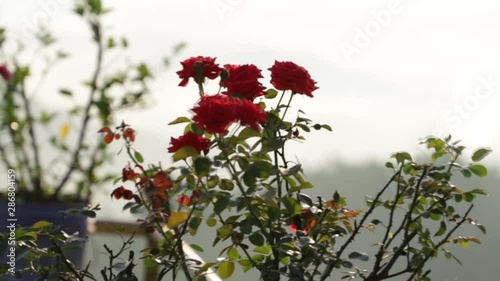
{"points": [[479, 261]]}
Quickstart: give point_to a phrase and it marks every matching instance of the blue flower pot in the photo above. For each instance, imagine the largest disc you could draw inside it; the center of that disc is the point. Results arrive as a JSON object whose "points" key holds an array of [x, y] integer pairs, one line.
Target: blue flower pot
{"points": [[27, 214]]}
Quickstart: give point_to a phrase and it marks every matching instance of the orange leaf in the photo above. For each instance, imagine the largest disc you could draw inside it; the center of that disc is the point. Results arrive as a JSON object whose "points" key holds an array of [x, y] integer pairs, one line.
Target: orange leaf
{"points": [[162, 181], [108, 138], [105, 130]]}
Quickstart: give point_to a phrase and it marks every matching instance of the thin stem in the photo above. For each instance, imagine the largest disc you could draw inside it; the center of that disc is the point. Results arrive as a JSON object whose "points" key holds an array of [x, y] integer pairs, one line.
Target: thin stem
{"points": [[382, 247], [287, 106], [444, 240], [37, 173], [223, 221], [232, 171], [281, 98], [331, 264], [75, 158]]}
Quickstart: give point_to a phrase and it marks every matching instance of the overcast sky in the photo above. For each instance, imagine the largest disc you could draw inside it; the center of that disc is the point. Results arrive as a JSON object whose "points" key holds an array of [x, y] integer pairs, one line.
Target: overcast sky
{"points": [[389, 72]]}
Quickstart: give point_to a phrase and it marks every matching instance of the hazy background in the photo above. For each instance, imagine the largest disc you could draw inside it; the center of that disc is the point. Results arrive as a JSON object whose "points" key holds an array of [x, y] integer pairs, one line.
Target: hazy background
{"points": [[389, 72]]}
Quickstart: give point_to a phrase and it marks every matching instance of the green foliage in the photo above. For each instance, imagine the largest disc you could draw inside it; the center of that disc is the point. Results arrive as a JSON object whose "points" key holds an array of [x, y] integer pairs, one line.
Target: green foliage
{"points": [[80, 156], [240, 182]]}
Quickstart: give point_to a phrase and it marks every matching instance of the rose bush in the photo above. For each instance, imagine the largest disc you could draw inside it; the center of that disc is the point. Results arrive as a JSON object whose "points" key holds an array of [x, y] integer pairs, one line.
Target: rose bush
{"points": [[232, 172]]}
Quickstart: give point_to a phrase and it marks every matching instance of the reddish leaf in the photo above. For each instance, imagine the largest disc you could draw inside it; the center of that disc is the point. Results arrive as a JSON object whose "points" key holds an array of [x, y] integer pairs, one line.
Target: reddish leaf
{"points": [[162, 181], [108, 138], [105, 130]]}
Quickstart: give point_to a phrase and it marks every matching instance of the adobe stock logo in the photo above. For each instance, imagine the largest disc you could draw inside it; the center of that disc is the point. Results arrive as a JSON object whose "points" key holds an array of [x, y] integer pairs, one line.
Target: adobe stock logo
{"points": [[461, 111], [363, 36], [222, 7], [47, 10], [456, 115]]}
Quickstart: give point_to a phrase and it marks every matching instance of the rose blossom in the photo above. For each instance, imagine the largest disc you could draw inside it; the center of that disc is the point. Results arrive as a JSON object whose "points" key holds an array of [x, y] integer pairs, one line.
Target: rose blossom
{"points": [[250, 114], [216, 113], [243, 81], [289, 76], [198, 68], [189, 139]]}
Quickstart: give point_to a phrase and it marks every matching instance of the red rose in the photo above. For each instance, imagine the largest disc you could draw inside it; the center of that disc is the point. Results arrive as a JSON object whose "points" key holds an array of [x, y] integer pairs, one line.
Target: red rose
{"points": [[215, 113], [243, 81], [250, 114], [184, 200], [289, 76], [5, 73], [304, 222], [189, 139], [198, 68]]}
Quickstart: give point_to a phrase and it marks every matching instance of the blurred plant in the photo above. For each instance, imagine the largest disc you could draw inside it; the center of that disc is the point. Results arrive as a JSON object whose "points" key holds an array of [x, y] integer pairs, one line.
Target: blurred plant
{"points": [[269, 223], [113, 86], [44, 246], [232, 172]]}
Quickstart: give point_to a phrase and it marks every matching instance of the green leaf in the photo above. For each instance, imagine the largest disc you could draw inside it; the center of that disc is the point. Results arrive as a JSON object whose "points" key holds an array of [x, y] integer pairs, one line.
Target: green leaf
{"points": [[41, 224], [204, 268], [224, 231], [401, 156], [469, 197], [442, 229], [271, 94], [176, 218], [466, 173], [266, 250], [124, 42], [481, 227], [138, 157], [143, 71], [89, 214], [248, 133], [257, 239], [480, 154], [347, 264], [305, 199], [221, 204], [180, 120], [305, 128], [232, 254], [464, 243], [211, 222], [197, 247], [45, 117], [293, 170], [478, 170], [359, 256], [111, 43], [226, 269], [184, 153], [327, 127], [202, 166], [194, 223], [436, 143], [438, 154], [479, 191], [226, 184], [66, 92], [95, 5], [245, 262]]}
